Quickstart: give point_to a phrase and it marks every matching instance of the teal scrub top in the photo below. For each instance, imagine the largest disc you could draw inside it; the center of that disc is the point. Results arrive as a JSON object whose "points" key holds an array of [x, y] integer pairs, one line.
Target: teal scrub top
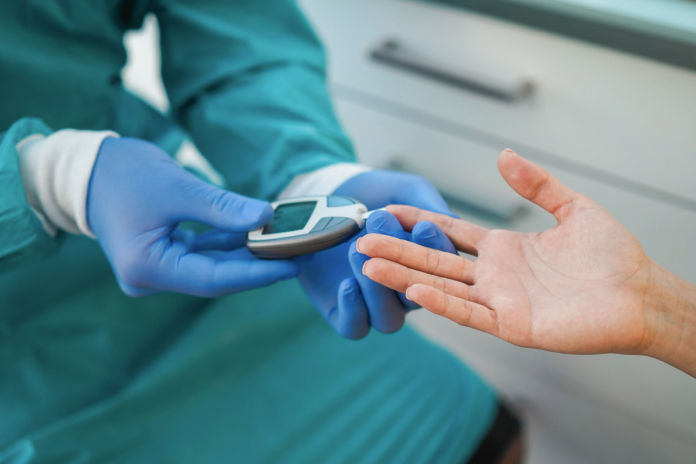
{"points": [[89, 375]]}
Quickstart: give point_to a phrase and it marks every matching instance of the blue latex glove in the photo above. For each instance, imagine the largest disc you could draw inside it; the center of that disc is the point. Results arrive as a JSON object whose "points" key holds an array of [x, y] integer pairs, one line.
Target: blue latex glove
{"points": [[349, 301], [136, 200]]}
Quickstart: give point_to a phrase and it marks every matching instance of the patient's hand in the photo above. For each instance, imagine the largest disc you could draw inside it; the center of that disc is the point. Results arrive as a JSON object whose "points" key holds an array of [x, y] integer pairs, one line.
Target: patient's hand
{"points": [[579, 287]]}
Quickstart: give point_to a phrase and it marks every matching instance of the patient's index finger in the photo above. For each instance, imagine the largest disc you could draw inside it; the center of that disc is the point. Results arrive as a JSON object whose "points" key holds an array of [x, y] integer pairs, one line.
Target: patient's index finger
{"points": [[400, 278], [416, 257], [464, 235]]}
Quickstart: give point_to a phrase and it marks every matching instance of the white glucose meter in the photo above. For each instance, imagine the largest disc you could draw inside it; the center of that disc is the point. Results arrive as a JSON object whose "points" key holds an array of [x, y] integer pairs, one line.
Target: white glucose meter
{"points": [[306, 225]]}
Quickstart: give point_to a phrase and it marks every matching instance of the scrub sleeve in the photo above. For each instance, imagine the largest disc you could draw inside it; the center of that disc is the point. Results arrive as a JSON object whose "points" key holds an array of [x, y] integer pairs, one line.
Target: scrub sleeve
{"points": [[22, 236]]}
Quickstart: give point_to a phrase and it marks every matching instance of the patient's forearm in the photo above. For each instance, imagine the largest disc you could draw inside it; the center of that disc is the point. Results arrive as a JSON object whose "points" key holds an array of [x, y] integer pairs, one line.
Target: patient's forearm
{"points": [[670, 305]]}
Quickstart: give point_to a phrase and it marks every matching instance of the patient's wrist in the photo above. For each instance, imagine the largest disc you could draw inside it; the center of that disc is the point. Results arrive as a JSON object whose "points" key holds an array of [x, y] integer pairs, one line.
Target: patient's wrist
{"points": [[670, 312]]}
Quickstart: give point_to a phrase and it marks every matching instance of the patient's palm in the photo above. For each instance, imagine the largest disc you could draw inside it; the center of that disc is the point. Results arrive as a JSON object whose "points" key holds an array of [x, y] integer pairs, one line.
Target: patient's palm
{"points": [[571, 288]]}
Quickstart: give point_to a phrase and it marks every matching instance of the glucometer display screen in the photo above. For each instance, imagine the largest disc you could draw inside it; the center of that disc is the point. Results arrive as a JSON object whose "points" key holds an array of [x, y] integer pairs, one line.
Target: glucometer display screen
{"points": [[290, 217]]}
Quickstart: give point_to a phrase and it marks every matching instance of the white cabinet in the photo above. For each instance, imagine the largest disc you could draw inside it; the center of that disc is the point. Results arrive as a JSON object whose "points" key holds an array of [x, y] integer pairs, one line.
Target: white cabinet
{"points": [[592, 107], [618, 128]]}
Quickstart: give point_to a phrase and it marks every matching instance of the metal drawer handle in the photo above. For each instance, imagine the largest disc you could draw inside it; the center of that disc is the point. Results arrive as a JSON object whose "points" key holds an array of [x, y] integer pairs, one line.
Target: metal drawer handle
{"points": [[502, 85]]}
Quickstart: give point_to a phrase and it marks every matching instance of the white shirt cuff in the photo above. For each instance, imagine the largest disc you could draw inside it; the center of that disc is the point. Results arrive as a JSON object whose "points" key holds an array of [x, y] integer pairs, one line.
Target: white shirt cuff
{"points": [[56, 171], [323, 181]]}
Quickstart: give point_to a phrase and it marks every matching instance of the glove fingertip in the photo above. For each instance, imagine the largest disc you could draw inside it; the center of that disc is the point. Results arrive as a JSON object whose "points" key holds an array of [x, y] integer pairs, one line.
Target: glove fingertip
{"points": [[385, 223], [348, 287], [408, 304], [356, 259], [256, 212], [351, 317], [291, 270], [276, 270], [425, 230], [429, 235], [393, 326]]}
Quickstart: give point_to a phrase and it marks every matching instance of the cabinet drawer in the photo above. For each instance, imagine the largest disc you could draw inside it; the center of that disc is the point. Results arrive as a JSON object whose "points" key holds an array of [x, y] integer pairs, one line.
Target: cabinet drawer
{"points": [[605, 111]]}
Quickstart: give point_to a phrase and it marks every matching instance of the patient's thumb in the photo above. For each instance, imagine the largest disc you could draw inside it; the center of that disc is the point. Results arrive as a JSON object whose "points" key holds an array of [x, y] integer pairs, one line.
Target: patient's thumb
{"points": [[533, 182], [522, 175]]}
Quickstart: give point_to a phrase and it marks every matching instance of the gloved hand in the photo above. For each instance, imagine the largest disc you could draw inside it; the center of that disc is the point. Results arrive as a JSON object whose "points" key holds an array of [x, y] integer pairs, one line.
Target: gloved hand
{"points": [[138, 196], [349, 301]]}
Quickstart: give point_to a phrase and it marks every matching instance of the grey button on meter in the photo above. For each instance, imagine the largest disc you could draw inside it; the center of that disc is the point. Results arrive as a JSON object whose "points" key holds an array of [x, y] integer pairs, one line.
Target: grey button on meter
{"points": [[307, 225]]}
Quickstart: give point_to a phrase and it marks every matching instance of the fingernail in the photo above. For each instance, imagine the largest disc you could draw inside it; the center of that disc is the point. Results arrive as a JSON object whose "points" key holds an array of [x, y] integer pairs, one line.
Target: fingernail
{"points": [[363, 268], [357, 245], [408, 297]]}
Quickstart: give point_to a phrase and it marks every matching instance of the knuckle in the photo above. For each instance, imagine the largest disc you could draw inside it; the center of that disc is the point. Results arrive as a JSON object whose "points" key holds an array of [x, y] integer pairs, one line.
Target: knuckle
{"points": [[132, 271], [411, 278], [432, 261], [443, 303], [391, 327], [537, 189], [351, 331], [401, 251], [452, 288], [466, 317], [416, 180], [465, 271], [129, 291], [427, 231], [222, 201], [449, 224]]}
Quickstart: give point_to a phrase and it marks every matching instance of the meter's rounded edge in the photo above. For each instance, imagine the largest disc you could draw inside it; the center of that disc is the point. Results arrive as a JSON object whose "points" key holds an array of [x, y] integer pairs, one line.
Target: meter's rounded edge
{"points": [[335, 231], [305, 244]]}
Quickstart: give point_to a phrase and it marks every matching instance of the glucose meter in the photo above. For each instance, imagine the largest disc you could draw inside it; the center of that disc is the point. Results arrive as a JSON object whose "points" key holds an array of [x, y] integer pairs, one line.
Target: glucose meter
{"points": [[307, 225]]}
